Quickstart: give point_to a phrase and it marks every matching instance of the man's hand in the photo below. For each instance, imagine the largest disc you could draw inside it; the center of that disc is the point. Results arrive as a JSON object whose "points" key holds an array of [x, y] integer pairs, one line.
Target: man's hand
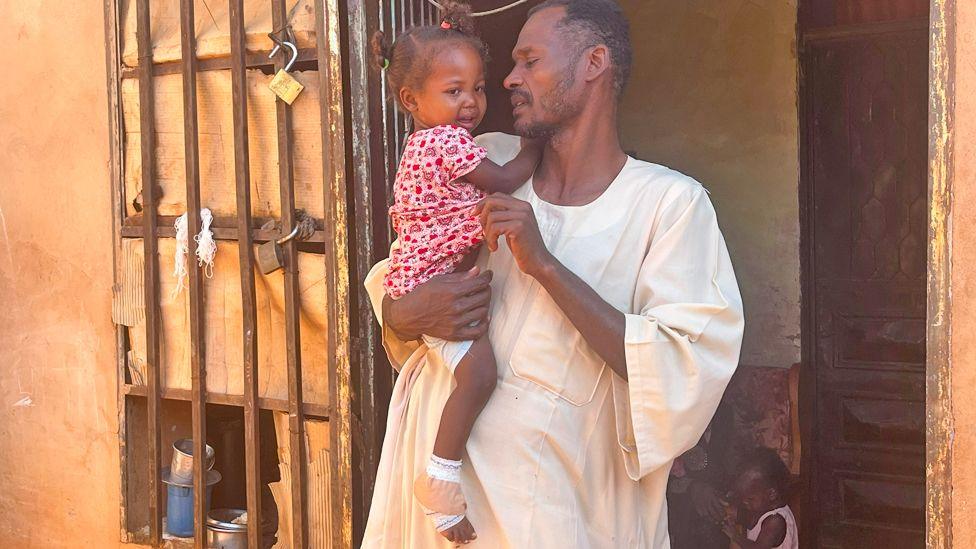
{"points": [[446, 306], [501, 214]]}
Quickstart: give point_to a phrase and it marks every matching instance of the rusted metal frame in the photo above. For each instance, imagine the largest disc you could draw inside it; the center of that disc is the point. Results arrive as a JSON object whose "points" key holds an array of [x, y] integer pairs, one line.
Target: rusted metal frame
{"points": [[389, 21], [242, 176], [133, 229], [938, 418], [296, 419], [332, 115], [113, 65], [393, 122], [312, 410], [195, 293], [147, 133], [371, 374], [253, 60]]}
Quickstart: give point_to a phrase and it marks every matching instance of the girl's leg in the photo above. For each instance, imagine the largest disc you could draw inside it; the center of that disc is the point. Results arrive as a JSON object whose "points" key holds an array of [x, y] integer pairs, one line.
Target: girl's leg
{"points": [[476, 376]]}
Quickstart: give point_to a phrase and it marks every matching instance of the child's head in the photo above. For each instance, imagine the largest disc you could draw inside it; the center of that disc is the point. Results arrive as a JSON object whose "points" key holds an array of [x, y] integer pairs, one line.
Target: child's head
{"points": [[762, 481], [436, 73]]}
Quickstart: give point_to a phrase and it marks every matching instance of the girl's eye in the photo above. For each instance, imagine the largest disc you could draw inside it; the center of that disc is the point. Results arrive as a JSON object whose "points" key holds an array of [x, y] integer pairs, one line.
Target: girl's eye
{"points": [[454, 91], [480, 89]]}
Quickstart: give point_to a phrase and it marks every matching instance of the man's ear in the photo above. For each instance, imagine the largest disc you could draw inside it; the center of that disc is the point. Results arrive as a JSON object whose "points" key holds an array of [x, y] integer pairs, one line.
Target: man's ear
{"points": [[408, 100], [597, 62]]}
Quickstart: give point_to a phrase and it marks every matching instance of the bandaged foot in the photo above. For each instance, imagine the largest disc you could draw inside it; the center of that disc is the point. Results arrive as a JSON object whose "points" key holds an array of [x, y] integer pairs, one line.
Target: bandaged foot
{"points": [[438, 491]]}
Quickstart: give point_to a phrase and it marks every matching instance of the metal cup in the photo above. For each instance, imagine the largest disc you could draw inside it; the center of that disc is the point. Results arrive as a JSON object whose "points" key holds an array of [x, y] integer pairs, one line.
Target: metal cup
{"points": [[181, 469]]}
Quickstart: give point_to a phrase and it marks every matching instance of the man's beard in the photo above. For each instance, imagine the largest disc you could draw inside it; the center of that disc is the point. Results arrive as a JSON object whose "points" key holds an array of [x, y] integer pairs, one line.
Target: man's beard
{"points": [[558, 106]]}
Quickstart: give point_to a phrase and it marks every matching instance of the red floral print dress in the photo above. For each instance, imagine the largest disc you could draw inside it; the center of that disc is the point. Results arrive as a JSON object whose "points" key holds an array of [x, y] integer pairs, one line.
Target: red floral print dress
{"points": [[432, 209]]}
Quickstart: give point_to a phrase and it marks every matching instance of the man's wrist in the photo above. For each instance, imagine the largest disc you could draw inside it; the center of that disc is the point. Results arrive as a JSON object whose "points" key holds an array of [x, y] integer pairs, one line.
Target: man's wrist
{"points": [[547, 270], [389, 320]]}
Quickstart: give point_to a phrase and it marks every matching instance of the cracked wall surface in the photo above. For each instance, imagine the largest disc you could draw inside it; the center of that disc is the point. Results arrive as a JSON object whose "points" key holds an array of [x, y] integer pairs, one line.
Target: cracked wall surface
{"points": [[59, 452]]}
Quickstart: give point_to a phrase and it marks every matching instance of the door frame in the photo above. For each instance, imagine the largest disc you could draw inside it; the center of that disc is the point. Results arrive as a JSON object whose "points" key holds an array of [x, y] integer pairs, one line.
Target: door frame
{"points": [[938, 372], [938, 404]]}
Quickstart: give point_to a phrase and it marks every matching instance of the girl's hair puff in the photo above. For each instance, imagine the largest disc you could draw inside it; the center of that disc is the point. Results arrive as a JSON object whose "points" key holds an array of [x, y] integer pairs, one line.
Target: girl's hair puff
{"points": [[407, 60]]}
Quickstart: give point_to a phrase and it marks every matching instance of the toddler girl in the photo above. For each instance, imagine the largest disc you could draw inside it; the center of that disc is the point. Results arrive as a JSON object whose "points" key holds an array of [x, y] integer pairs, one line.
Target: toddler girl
{"points": [[760, 493], [436, 74]]}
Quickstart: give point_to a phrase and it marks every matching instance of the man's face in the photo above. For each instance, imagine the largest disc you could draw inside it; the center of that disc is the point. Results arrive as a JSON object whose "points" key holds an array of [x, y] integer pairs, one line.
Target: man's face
{"points": [[545, 94]]}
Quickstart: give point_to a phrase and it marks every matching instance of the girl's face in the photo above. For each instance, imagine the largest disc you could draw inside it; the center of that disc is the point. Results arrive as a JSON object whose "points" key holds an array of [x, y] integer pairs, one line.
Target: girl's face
{"points": [[754, 493], [453, 93]]}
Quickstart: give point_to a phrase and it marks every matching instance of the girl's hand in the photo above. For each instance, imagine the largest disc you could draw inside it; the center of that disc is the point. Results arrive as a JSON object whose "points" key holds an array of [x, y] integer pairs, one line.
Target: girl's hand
{"points": [[533, 143], [532, 147]]}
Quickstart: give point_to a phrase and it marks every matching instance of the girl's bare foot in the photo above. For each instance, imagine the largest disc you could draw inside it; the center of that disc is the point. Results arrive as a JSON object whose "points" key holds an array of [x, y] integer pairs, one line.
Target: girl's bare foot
{"points": [[461, 532]]}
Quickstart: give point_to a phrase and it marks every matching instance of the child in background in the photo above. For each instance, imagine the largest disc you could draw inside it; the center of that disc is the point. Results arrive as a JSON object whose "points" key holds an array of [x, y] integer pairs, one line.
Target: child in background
{"points": [[760, 493], [436, 74]]}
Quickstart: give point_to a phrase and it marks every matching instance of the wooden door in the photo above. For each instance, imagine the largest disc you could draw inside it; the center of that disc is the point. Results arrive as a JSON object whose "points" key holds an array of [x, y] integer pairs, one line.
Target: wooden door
{"points": [[866, 147]]}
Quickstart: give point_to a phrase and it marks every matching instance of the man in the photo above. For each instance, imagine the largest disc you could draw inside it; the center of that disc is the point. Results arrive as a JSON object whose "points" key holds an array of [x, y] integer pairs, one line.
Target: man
{"points": [[616, 320]]}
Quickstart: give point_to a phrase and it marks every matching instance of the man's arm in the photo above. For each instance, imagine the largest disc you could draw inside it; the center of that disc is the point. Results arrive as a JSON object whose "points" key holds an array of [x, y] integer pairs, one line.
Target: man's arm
{"points": [[600, 324]]}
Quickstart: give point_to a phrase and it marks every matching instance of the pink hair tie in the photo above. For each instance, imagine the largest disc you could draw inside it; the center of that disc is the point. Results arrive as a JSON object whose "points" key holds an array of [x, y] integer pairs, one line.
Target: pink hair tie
{"points": [[445, 25]]}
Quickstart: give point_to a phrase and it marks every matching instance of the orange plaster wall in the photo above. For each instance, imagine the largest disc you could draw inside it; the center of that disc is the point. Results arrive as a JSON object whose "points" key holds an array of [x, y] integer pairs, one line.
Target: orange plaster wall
{"points": [[59, 464], [963, 305]]}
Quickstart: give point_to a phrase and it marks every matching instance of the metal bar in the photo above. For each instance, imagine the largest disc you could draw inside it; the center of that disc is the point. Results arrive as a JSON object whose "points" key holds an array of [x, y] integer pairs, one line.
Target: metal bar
{"points": [[147, 133], [312, 410], [296, 420], [132, 228], [242, 172], [253, 60], [332, 116], [369, 192], [198, 376]]}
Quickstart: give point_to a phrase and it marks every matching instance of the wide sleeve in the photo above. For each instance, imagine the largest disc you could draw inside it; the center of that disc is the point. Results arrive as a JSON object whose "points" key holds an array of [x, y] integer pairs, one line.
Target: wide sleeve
{"points": [[397, 350], [683, 344]]}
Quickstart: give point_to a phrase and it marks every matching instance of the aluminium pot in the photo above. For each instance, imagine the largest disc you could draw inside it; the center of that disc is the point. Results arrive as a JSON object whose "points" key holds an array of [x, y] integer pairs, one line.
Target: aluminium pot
{"points": [[223, 533]]}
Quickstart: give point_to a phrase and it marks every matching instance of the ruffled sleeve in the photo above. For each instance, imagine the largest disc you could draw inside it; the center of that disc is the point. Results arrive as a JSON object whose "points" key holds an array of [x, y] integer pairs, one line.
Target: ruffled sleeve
{"points": [[683, 345]]}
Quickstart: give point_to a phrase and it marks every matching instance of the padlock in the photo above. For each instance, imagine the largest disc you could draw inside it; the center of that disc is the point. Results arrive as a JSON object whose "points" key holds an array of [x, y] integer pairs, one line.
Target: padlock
{"points": [[270, 257], [283, 84]]}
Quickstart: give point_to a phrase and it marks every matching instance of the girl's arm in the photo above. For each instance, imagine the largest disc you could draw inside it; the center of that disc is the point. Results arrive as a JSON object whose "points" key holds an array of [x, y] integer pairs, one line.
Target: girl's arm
{"points": [[493, 178], [772, 534]]}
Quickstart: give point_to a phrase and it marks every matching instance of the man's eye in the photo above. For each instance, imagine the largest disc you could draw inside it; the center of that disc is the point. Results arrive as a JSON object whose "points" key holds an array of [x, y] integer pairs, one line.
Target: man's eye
{"points": [[530, 63]]}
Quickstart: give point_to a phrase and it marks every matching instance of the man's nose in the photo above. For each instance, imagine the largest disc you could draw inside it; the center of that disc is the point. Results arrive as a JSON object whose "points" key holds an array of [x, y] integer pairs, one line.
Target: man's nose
{"points": [[513, 80]]}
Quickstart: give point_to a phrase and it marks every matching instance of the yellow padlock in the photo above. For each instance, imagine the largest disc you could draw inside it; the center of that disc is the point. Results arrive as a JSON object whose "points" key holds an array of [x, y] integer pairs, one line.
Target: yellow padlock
{"points": [[283, 84]]}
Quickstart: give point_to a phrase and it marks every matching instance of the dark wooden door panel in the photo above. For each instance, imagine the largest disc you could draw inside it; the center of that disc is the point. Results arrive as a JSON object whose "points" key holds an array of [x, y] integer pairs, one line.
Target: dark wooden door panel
{"points": [[868, 99]]}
